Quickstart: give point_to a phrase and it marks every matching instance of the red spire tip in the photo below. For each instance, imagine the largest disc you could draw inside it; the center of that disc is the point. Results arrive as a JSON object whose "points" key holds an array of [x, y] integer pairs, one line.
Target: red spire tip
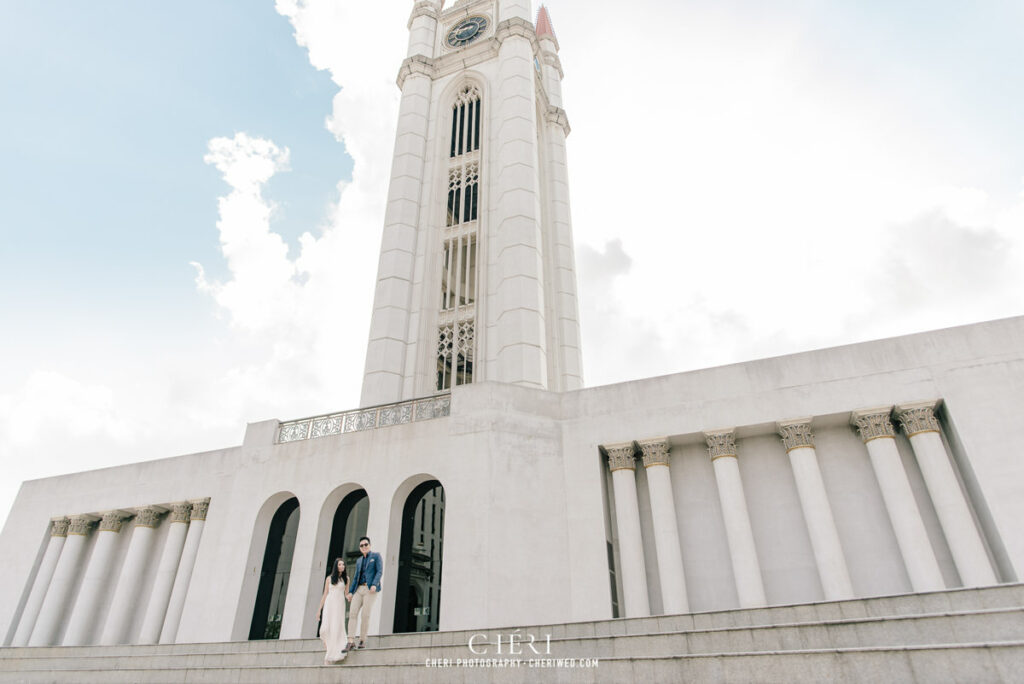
{"points": [[544, 27]]}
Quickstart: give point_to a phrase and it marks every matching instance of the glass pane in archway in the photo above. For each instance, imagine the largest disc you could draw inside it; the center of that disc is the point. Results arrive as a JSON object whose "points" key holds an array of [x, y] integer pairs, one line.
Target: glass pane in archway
{"points": [[277, 565], [418, 594]]}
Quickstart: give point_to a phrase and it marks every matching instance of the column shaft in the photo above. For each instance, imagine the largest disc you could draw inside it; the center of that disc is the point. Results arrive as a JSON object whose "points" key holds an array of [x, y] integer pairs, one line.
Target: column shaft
{"points": [[176, 605], [55, 604], [821, 526], [126, 594], [965, 543], [82, 625], [631, 548], [627, 522], [918, 556], [739, 534], [666, 541], [164, 581], [41, 585], [656, 455]]}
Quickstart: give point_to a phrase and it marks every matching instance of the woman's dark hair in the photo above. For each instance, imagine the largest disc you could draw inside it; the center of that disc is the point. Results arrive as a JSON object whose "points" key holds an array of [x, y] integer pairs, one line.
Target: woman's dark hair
{"points": [[335, 576]]}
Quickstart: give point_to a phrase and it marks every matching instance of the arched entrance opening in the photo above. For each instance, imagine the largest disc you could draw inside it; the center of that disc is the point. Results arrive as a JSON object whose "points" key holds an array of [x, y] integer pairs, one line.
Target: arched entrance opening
{"points": [[350, 518], [277, 565], [418, 592]]}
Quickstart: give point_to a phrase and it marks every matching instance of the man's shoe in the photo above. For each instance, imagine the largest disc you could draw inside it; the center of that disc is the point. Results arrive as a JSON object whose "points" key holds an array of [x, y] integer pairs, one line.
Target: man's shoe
{"points": [[362, 644]]}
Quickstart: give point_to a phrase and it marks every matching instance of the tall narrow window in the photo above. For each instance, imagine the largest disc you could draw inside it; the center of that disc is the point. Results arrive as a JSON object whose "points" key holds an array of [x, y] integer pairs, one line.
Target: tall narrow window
{"points": [[466, 122], [456, 334]]}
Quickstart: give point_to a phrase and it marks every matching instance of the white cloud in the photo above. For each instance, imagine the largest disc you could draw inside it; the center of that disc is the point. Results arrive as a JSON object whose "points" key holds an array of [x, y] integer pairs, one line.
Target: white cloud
{"points": [[735, 193]]}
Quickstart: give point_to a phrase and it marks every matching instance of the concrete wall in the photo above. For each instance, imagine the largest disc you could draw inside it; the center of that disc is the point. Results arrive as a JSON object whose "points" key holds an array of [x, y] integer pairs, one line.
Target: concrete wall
{"points": [[525, 504]]}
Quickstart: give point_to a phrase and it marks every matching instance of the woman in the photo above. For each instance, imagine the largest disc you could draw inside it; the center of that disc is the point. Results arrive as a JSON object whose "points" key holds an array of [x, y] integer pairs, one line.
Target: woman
{"points": [[332, 613]]}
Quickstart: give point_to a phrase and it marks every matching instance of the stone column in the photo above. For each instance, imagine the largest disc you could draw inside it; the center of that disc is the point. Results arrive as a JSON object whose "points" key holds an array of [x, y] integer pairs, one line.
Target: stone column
{"points": [[965, 543], [918, 556], [666, 526], [176, 605], [164, 582], [69, 565], [126, 594], [82, 625], [746, 569], [622, 464], [517, 309], [58, 536], [392, 328], [821, 526]]}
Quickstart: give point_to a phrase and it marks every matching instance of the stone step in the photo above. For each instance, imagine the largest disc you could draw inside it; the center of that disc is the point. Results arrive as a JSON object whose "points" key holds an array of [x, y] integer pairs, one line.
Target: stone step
{"points": [[948, 601], [914, 634], [995, 625], [991, 663]]}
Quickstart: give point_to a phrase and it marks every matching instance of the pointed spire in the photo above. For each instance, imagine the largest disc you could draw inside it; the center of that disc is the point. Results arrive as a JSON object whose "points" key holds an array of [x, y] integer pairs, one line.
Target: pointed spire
{"points": [[543, 23]]}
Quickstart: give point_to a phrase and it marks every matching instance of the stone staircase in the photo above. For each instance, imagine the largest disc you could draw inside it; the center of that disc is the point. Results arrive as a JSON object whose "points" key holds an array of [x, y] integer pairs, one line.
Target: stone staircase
{"points": [[964, 635]]}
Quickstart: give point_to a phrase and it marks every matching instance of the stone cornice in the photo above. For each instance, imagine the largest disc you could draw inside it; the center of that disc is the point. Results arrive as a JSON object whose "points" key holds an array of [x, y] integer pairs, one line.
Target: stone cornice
{"points": [[721, 443], [873, 423], [796, 434], [423, 8], [551, 59], [60, 527], [519, 27], [558, 117], [918, 417], [200, 508], [621, 456], [655, 451], [417, 64]]}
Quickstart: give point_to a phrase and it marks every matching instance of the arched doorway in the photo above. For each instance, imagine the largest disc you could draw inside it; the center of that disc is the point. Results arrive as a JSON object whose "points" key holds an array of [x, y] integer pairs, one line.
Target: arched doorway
{"points": [[418, 593], [277, 565], [349, 525]]}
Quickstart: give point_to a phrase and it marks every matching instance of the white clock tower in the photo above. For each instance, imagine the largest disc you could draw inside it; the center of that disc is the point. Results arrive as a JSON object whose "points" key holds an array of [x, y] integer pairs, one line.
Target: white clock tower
{"points": [[476, 279]]}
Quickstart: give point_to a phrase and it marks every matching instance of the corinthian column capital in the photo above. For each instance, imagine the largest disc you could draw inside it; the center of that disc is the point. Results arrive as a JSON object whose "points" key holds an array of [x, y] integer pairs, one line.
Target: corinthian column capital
{"points": [[112, 520], [148, 516], [81, 525], [721, 443], [621, 456], [655, 451], [60, 527], [873, 423], [199, 508], [796, 434], [917, 418], [181, 512]]}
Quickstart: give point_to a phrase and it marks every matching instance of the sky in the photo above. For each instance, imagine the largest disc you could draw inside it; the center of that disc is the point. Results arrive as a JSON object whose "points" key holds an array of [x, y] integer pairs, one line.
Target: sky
{"points": [[192, 194]]}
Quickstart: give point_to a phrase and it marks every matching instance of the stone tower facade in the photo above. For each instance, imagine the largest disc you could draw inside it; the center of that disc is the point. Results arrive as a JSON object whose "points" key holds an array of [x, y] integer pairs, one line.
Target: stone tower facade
{"points": [[476, 279]]}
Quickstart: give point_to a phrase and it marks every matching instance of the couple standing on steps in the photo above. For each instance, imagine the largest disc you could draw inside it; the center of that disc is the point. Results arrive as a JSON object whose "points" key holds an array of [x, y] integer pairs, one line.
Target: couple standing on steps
{"points": [[362, 591]]}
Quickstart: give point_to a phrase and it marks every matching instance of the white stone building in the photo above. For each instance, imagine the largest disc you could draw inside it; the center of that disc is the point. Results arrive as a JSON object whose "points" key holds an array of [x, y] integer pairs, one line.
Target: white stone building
{"points": [[482, 469]]}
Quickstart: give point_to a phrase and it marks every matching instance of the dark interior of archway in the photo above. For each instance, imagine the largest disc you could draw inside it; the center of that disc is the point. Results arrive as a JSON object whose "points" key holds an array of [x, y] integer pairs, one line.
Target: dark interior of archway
{"points": [[277, 564], [418, 594]]}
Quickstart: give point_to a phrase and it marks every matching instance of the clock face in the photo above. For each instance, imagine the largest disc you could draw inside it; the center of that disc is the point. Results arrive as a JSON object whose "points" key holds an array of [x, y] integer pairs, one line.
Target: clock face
{"points": [[466, 31]]}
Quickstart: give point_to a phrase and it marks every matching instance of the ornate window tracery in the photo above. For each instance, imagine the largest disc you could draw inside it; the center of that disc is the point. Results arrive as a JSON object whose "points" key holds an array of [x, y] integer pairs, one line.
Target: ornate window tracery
{"points": [[456, 337]]}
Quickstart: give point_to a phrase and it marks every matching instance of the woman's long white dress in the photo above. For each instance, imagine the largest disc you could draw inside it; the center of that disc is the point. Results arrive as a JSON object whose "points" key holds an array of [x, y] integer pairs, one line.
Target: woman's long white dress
{"points": [[332, 623]]}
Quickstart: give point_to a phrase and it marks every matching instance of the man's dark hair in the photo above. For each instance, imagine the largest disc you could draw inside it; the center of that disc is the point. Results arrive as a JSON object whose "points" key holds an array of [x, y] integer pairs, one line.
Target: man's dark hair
{"points": [[366, 538]]}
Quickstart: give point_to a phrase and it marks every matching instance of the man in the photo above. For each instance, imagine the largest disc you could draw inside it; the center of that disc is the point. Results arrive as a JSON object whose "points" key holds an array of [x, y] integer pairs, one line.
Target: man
{"points": [[362, 592]]}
